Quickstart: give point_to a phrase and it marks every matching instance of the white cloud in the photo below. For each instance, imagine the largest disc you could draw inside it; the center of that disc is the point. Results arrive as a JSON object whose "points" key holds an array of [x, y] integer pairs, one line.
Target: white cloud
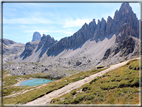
{"points": [[66, 32], [40, 31], [77, 22], [28, 20], [63, 32]]}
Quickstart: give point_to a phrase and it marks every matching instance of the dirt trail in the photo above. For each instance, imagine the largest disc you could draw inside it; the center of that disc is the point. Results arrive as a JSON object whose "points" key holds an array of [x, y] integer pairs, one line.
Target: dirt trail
{"points": [[68, 88]]}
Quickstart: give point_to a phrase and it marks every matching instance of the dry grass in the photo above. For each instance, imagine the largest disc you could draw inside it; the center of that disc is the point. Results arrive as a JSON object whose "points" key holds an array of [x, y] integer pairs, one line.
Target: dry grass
{"points": [[31, 95], [120, 86]]}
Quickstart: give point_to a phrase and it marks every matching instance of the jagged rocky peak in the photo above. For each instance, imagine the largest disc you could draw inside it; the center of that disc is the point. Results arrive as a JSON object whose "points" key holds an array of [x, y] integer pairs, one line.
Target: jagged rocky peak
{"points": [[125, 12], [125, 21], [99, 24], [92, 25], [36, 36], [49, 41], [103, 24], [123, 25], [109, 19], [47, 38], [45, 42], [125, 8], [29, 48], [85, 26]]}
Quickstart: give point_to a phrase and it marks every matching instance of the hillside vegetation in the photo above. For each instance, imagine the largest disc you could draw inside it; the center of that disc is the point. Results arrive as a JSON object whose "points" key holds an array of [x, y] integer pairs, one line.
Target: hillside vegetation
{"points": [[8, 89], [120, 86]]}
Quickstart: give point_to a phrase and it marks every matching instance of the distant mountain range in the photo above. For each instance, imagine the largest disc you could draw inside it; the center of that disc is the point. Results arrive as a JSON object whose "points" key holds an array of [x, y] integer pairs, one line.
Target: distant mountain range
{"points": [[101, 44]]}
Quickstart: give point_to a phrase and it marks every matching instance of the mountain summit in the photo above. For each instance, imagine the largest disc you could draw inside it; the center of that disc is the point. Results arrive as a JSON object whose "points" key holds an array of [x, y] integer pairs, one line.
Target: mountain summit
{"points": [[36, 36], [104, 43]]}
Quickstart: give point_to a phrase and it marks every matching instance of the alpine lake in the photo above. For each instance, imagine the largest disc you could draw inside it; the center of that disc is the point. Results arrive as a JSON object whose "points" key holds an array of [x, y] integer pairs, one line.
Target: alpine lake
{"points": [[34, 82]]}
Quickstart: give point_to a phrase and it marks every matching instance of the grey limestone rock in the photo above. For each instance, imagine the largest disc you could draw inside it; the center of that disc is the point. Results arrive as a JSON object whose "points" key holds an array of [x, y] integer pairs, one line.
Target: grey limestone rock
{"points": [[124, 23], [45, 43], [94, 44], [74, 41], [36, 36], [29, 48], [124, 48], [7, 41]]}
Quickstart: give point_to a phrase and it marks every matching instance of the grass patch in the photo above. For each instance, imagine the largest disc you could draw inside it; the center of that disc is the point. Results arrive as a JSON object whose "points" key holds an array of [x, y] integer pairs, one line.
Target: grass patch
{"points": [[10, 80], [120, 86], [10, 90], [31, 95]]}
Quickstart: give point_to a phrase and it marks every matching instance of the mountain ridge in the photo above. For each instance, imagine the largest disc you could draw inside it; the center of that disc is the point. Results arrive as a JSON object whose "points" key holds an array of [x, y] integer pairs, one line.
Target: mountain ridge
{"points": [[101, 30], [101, 44]]}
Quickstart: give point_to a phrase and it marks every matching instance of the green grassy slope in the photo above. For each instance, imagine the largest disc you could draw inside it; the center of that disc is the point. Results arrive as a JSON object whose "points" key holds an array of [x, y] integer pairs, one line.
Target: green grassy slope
{"points": [[120, 86], [31, 95]]}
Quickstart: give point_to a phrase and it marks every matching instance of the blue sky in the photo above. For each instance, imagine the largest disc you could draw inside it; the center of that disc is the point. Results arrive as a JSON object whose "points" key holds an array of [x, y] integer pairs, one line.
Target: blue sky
{"points": [[21, 20]]}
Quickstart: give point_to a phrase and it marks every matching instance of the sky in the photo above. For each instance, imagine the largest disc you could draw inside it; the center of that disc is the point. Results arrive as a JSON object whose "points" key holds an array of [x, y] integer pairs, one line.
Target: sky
{"points": [[21, 20]]}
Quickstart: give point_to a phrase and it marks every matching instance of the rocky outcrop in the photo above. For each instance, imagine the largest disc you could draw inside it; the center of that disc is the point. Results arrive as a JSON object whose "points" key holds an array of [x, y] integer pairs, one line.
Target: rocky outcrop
{"points": [[72, 42], [90, 45], [42, 46], [36, 36], [127, 46], [107, 53], [7, 41], [10, 47], [45, 43], [126, 20], [125, 23], [124, 48], [29, 48], [11, 50]]}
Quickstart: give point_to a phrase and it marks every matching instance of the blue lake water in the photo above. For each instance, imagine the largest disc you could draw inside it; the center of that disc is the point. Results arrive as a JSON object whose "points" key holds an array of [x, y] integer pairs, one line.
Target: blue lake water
{"points": [[36, 81]]}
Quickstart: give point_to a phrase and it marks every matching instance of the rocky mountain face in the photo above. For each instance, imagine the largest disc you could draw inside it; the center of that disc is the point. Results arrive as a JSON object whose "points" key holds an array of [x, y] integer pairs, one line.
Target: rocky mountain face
{"points": [[128, 47], [7, 41], [36, 36], [45, 43], [42, 46], [94, 44], [11, 47], [29, 47], [125, 23], [11, 50]]}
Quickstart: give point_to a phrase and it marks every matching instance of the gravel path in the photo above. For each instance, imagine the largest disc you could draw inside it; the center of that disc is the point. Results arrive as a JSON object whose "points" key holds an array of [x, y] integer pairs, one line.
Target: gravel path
{"points": [[68, 88]]}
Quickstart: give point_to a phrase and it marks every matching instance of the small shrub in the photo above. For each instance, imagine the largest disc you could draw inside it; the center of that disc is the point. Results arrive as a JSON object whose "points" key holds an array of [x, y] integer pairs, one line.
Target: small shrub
{"points": [[73, 92], [78, 99], [113, 86], [89, 97], [94, 80], [119, 93], [105, 86], [111, 100], [135, 82], [84, 88], [124, 83], [135, 91]]}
